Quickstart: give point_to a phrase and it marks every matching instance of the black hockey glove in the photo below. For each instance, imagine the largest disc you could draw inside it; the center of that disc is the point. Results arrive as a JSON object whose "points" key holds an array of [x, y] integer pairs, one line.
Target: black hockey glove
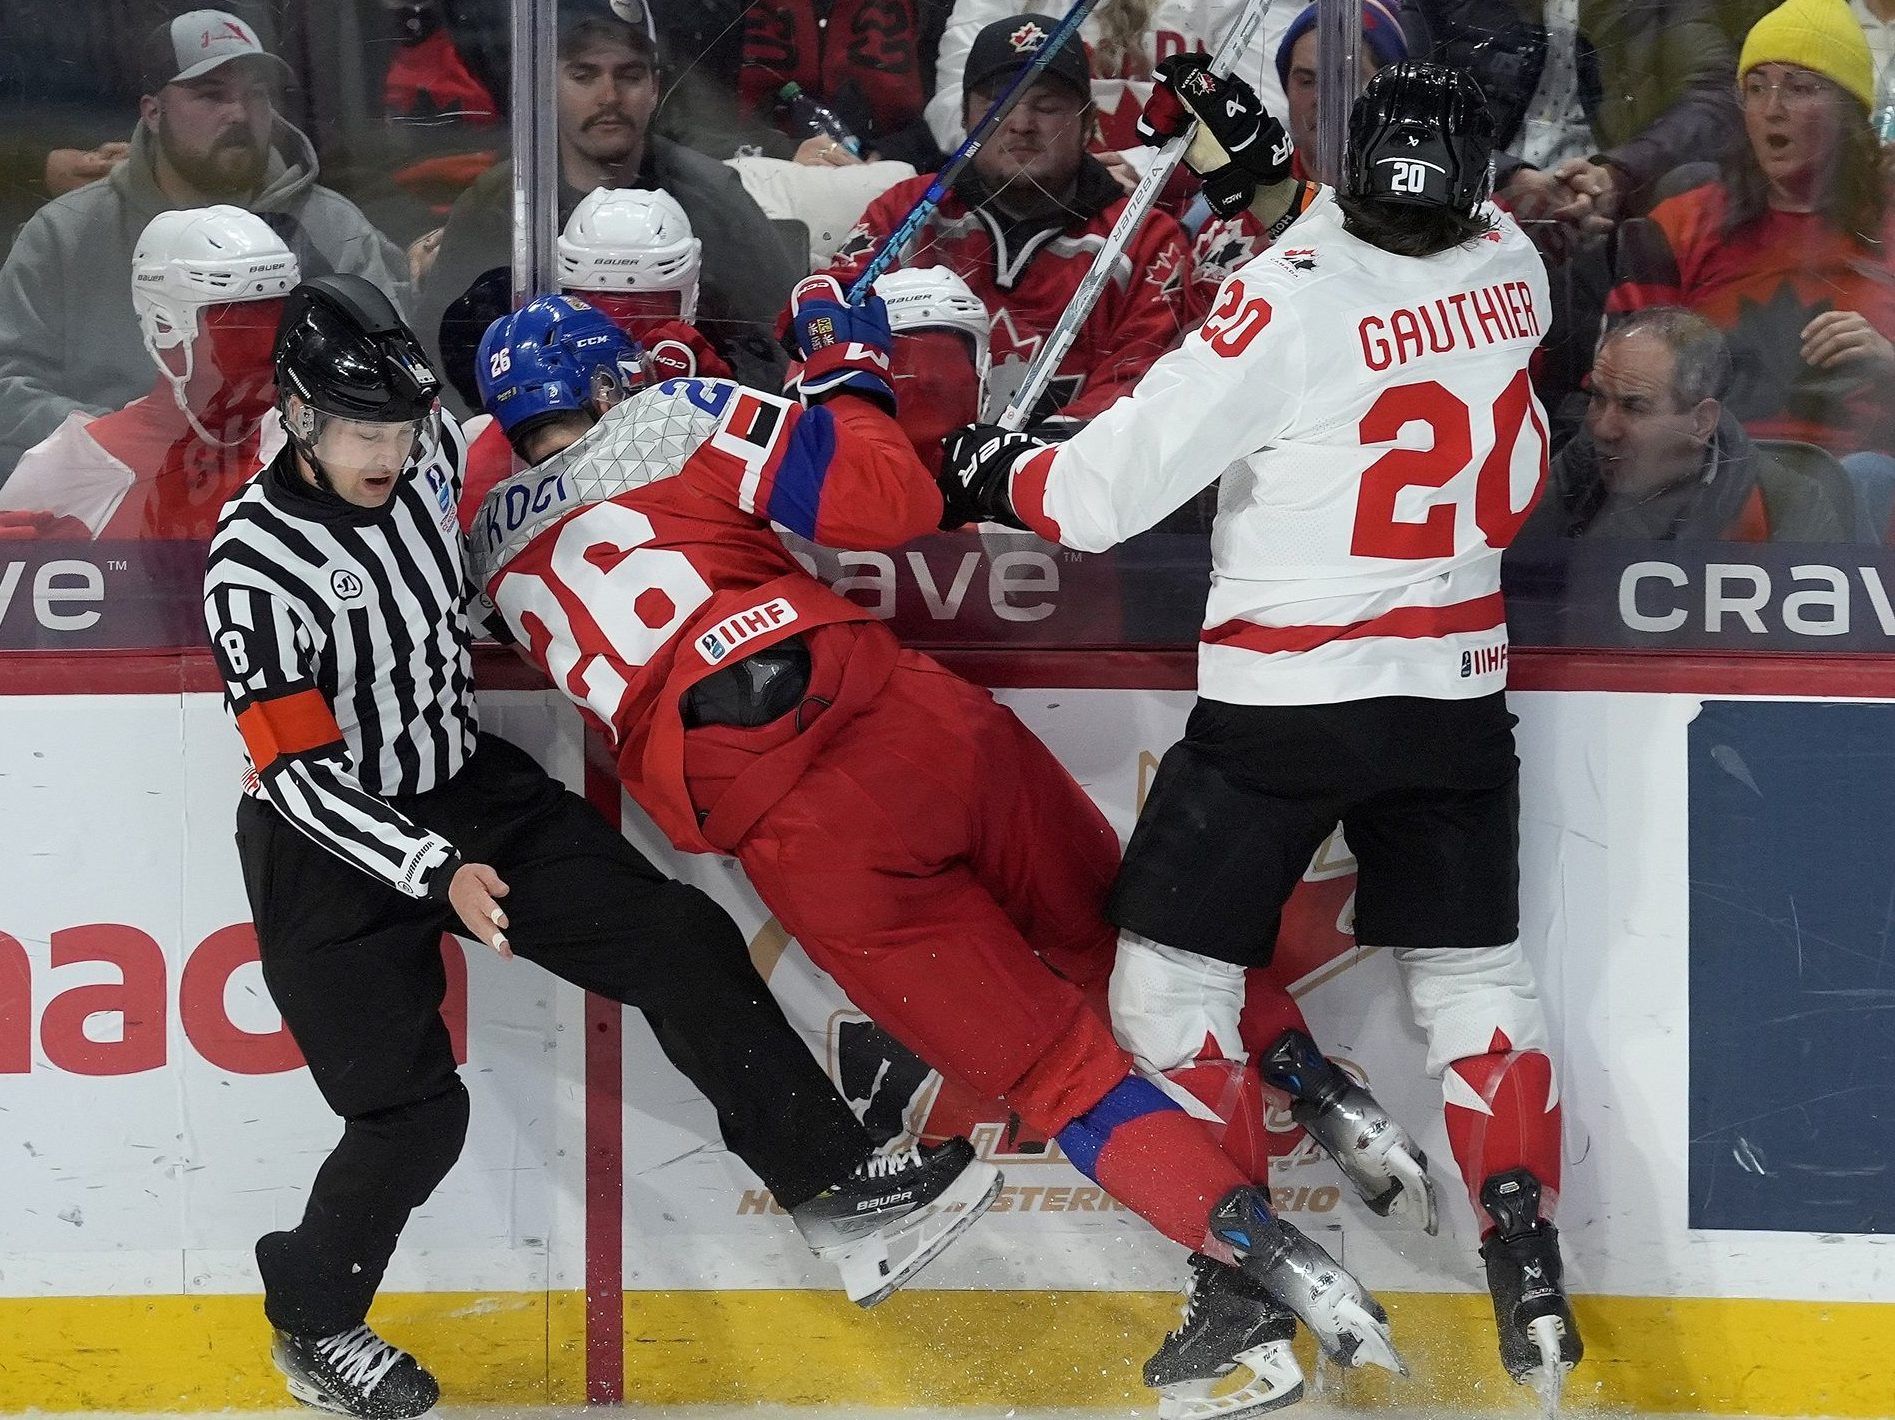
{"points": [[1238, 147], [977, 462]]}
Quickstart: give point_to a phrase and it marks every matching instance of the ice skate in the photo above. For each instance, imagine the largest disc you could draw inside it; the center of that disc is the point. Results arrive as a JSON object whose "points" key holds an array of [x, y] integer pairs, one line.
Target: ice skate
{"points": [[1539, 1340], [1230, 1356], [355, 1373], [893, 1215], [1378, 1157], [1347, 1322]]}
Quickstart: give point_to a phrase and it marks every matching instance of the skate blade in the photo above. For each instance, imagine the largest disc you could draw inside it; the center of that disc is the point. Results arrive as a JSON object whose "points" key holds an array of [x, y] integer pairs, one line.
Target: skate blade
{"points": [[1415, 1204], [871, 1275], [1374, 1346], [316, 1398], [1548, 1379], [1265, 1378]]}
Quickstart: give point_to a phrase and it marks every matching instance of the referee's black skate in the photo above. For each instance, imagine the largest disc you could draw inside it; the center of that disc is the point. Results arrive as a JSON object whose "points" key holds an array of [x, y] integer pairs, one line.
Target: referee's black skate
{"points": [[1346, 1321], [1539, 1340], [355, 1373], [1230, 1356], [894, 1215]]}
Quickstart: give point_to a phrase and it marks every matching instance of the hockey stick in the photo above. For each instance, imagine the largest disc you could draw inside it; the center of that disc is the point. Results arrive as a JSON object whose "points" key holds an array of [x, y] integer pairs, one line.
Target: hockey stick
{"points": [[1040, 372], [887, 253]]}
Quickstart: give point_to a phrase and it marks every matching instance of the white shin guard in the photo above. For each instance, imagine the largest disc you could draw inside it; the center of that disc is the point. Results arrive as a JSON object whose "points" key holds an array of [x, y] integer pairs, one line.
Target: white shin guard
{"points": [[1166, 1003], [1461, 996]]}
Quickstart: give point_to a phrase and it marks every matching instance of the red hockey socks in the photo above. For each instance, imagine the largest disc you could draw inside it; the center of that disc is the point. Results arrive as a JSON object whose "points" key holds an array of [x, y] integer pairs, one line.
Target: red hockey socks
{"points": [[1145, 1151], [1503, 1113]]}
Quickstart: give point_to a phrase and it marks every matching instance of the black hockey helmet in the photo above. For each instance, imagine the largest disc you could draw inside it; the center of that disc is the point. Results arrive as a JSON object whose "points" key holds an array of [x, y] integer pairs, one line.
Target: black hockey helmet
{"points": [[1421, 134], [343, 349]]}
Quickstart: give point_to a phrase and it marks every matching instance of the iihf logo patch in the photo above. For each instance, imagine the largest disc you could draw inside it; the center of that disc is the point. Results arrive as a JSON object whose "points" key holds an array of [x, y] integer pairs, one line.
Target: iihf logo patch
{"points": [[1027, 39]]}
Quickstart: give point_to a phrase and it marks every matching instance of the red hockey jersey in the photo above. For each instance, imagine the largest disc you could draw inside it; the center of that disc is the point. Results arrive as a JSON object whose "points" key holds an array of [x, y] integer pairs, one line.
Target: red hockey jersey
{"points": [[1028, 281], [642, 559]]}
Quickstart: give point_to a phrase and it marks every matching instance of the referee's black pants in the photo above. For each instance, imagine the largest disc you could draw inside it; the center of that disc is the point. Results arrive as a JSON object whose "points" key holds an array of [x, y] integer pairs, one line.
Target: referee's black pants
{"points": [[355, 969]]}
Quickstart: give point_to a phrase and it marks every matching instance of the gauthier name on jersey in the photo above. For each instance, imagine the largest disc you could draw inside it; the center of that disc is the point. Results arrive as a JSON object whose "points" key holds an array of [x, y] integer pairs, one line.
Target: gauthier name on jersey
{"points": [[1501, 312]]}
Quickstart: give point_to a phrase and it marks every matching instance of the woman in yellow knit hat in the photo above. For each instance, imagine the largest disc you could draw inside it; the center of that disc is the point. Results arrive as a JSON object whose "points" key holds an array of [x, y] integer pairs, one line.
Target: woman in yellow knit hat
{"points": [[1788, 250]]}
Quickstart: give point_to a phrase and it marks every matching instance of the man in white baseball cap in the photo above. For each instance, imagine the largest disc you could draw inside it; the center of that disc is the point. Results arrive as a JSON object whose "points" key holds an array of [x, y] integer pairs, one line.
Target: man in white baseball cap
{"points": [[208, 132]]}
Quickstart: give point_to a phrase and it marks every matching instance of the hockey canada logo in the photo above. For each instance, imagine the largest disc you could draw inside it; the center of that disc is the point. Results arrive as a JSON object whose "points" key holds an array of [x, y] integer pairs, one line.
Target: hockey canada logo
{"points": [[1027, 39], [1298, 258]]}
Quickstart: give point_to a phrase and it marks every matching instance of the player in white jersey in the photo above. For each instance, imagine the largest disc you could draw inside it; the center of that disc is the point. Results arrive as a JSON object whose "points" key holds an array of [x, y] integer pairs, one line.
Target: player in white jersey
{"points": [[1362, 389]]}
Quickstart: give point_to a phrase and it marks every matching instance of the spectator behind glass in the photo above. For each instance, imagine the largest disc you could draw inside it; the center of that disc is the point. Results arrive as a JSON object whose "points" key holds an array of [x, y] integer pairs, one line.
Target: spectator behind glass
{"points": [[630, 255], [1021, 224], [1788, 251], [207, 133], [1126, 39], [208, 286], [1660, 457], [871, 61], [1593, 100], [1225, 243], [609, 87]]}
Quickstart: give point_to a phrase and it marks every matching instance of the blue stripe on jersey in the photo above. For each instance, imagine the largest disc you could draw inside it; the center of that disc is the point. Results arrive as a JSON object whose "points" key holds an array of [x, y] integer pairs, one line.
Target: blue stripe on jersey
{"points": [[1086, 1137], [796, 496]]}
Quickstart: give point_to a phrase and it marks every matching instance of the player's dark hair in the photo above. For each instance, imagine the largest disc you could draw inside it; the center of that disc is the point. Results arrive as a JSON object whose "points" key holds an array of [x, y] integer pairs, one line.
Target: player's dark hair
{"points": [[1404, 229]]}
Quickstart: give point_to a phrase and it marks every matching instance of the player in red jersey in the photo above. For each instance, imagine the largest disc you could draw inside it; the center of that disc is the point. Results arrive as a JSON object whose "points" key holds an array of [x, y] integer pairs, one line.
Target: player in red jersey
{"points": [[926, 850]]}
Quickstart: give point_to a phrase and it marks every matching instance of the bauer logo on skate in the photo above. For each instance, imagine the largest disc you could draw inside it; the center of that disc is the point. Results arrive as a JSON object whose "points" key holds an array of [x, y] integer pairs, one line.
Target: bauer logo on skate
{"points": [[733, 631]]}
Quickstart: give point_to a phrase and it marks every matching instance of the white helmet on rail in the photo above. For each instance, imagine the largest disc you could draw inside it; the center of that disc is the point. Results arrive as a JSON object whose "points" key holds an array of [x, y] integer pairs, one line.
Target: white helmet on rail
{"points": [[630, 253], [207, 259], [940, 356]]}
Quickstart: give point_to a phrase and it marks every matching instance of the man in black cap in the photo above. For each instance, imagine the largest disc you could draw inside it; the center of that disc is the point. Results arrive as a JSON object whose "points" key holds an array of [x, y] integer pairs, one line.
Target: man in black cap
{"points": [[609, 87], [1023, 221]]}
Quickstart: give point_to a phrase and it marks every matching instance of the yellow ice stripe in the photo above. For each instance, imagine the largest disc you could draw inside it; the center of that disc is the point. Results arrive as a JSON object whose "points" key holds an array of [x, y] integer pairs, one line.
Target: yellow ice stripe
{"points": [[1009, 1349]]}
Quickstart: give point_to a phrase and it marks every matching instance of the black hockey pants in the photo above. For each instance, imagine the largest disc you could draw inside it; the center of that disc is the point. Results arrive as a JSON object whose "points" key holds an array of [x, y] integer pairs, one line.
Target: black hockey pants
{"points": [[355, 969]]}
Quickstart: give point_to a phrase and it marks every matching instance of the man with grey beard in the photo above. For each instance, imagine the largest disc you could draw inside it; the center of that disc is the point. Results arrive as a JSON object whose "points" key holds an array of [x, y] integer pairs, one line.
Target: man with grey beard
{"points": [[208, 132]]}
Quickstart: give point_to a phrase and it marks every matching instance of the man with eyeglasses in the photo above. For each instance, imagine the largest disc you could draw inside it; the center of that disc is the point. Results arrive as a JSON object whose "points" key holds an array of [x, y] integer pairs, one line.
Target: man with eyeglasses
{"points": [[1022, 222]]}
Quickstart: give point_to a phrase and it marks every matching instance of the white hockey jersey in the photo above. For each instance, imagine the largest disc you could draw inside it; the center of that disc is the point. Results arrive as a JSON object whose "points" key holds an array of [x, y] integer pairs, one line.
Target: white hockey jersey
{"points": [[1379, 442]]}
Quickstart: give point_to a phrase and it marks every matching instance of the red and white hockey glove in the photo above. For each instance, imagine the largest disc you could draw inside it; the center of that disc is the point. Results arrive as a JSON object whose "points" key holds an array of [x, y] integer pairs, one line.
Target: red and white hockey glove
{"points": [[844, 348], [976, 477], [675, 350], [17, 525], [1238, 147]]}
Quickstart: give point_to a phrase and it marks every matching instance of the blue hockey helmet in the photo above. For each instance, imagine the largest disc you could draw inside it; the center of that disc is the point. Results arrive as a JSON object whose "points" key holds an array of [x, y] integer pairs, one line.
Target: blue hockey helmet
{"points": [[554, 355]]}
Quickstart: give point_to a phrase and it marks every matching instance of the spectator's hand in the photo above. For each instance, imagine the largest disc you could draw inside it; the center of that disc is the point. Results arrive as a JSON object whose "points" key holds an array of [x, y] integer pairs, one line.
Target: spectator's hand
{"points": [[675, 350], [70, 168], [472, 894], [844, 349], [1536, 199], [823, 151], [1123, 173], [1842, 337], [1595, 202], [422, 251], [20, 526]]}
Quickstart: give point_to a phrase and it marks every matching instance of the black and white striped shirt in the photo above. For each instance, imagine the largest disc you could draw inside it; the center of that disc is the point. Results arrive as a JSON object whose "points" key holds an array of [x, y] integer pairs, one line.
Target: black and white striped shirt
{"points": [[342, 637]]}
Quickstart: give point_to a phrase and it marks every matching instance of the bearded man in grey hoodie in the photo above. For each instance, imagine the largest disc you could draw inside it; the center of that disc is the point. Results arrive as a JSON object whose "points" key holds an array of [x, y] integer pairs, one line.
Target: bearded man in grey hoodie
{"points": [[208, 132]]}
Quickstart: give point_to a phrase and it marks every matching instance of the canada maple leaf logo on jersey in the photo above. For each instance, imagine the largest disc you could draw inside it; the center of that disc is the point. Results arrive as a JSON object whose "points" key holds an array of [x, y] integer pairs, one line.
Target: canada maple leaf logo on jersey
{"points": [[1027, 39], [1298, 258]]}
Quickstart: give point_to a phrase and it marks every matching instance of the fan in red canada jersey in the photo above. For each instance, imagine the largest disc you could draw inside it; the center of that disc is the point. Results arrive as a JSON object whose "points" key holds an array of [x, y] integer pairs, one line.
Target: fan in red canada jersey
{"points": [[208, 286], [629, 253], [924, 848]]}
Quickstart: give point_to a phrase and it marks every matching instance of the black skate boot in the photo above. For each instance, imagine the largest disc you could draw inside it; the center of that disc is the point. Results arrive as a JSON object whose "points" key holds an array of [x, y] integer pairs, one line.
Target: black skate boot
{"points": [[1376, 1155], [1230, 1357], [355, 1373], [1346, 1321], [1539, 1340], [893, 1215]]}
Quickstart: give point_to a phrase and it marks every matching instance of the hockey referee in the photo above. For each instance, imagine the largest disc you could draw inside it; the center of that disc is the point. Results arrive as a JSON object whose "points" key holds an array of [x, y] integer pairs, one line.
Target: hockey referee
{"points": [[375, 815]]}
